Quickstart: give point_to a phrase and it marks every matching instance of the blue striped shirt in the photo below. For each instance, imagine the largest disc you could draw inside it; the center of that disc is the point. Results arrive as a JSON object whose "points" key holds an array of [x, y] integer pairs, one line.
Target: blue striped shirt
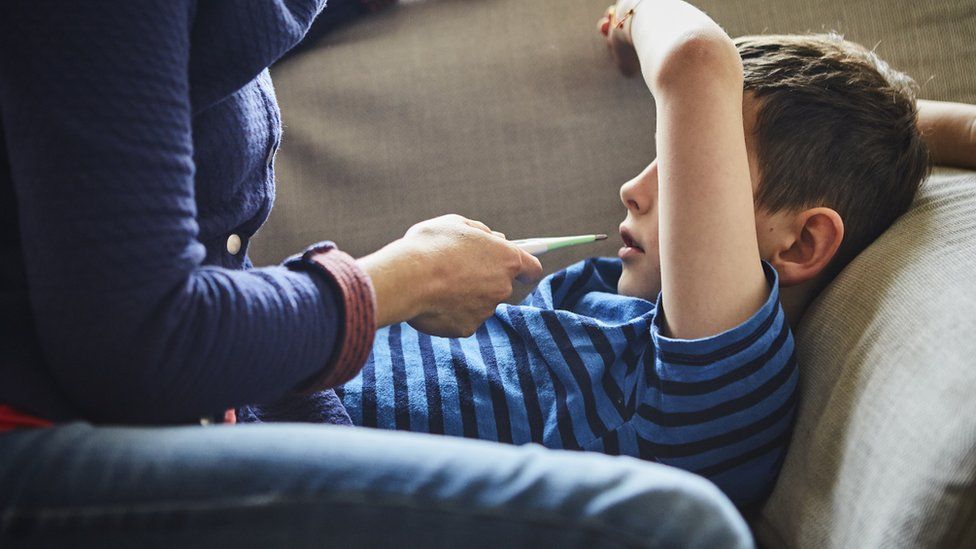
{"points": [[576, 366]]}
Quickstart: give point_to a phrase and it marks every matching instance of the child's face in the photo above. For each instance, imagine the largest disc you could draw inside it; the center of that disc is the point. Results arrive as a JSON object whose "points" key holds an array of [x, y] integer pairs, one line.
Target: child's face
{"points": [[639, 231]]}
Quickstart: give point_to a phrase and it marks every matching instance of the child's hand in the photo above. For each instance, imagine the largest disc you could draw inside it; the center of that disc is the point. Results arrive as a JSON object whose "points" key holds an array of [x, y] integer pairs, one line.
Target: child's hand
{"points": [[618, 37], [949, 129]]}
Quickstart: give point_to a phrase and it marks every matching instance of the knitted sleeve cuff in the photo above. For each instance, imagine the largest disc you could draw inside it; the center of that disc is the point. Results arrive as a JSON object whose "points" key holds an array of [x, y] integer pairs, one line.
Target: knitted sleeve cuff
{"points": [[357, 302]]}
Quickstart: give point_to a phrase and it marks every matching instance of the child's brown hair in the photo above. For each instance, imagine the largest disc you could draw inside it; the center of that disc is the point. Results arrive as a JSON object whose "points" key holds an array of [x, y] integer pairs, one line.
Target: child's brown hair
{"points": [[836, 127]]}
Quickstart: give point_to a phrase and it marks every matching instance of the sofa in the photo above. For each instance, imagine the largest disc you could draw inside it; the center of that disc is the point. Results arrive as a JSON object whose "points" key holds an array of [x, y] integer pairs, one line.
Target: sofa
{"points": [[511, 112]]}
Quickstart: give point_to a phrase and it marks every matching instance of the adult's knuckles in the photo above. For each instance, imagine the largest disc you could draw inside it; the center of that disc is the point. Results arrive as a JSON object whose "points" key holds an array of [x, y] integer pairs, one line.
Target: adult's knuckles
{"points": [[513, 262], [499, 290]]}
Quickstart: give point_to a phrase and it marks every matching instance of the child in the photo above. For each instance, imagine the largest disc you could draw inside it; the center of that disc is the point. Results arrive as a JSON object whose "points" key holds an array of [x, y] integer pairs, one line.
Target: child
{"points": [[779, 159]]}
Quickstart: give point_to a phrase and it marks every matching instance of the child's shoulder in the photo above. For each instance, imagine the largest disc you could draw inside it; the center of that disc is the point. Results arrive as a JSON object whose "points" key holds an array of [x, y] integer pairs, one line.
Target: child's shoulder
{"points": [[596, 274], [588, 288]]}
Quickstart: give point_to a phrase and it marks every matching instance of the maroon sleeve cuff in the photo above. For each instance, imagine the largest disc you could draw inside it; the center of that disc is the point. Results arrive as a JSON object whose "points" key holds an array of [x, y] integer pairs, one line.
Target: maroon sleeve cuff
{"points": [[357, 303]]}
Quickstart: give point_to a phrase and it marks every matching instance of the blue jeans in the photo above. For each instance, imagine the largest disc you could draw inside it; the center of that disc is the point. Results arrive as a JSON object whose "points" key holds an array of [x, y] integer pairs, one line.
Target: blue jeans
{"points": [[292, 485]]}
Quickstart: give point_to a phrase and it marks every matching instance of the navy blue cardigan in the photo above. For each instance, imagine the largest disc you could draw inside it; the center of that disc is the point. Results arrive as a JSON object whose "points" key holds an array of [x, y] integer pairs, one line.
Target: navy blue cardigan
{"points": [[138, 138]]}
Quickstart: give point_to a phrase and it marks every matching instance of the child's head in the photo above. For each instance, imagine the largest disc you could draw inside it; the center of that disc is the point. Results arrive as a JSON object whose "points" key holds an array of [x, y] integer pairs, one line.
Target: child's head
{"points": [[834, 151]]}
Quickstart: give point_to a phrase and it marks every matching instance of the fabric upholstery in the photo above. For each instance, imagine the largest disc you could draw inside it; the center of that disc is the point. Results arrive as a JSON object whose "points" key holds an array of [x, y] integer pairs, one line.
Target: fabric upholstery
{"points": [[884, 452], [934, 42], [507, 112], [510, 112]]}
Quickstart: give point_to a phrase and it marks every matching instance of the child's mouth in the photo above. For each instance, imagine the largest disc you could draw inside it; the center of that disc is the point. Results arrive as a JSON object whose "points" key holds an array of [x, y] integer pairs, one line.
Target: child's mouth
{"points": [[630, 248]]}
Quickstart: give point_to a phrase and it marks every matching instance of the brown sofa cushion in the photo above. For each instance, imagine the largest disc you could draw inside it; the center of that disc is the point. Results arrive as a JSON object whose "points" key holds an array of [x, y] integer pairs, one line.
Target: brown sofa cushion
{"points": [[507, 112], [884, 452]]}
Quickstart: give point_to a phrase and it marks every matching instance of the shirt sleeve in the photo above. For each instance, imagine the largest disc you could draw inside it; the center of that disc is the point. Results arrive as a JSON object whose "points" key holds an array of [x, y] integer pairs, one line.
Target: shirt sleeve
{"points": [[722, 406], [338, 13], [95, 107]]}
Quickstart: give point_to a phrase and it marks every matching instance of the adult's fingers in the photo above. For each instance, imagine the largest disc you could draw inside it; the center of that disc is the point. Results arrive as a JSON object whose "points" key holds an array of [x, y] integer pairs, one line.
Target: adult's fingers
{"points": [[530, 271]]}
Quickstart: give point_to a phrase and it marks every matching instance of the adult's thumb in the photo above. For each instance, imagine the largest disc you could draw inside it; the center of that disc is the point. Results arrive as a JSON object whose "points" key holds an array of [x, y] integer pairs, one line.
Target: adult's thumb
{"points": [[530, 270]]}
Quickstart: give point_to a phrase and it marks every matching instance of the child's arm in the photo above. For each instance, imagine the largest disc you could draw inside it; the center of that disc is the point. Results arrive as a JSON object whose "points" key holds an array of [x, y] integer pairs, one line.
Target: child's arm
{"points": [[949, 129], [711, 274]]}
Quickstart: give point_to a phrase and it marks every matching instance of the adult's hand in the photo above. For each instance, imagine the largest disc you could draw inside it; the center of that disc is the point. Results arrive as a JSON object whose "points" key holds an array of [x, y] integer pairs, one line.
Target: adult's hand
{"points": [[446, 275]]}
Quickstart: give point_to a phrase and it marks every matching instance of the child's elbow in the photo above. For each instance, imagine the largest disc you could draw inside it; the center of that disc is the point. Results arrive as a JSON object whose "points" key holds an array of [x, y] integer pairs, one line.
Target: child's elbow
{"points": [[697, 59]]}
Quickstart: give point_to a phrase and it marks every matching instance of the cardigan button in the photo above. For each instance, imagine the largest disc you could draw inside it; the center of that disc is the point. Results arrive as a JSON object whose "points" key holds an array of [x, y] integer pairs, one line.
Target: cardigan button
{"points": [[233, 244]]}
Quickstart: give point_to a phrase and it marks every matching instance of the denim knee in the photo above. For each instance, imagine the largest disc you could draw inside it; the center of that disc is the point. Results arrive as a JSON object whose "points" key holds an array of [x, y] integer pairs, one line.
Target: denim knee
{"points": [[654, 505]]}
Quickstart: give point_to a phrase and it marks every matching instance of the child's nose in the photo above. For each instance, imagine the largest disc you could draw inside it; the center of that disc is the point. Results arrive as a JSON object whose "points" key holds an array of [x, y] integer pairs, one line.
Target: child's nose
{"points": [[638, 193]]}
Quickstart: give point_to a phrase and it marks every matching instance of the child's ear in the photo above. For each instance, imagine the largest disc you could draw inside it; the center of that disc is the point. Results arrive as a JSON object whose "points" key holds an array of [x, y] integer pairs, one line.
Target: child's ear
{"points": [[816, 236]]}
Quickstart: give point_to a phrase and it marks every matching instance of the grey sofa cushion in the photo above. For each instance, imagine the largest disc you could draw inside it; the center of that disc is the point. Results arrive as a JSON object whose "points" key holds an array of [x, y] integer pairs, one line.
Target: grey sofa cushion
{"points": [[884, 452], [508, 111], [504, 111], [934, 42]]}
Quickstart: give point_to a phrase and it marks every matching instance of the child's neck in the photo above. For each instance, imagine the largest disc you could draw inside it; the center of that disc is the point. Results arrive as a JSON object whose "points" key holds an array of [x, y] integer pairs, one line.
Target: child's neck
{"points": [[795, 300]]}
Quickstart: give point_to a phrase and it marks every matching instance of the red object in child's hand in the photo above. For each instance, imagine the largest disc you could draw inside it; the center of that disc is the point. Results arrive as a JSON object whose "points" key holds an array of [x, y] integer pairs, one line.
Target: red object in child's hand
{"points": [[605, 22]]}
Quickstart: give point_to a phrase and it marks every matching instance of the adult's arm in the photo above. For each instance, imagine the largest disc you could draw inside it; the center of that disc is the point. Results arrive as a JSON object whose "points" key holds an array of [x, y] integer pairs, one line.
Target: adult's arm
{"points": [[949, 129], [94, 101]]}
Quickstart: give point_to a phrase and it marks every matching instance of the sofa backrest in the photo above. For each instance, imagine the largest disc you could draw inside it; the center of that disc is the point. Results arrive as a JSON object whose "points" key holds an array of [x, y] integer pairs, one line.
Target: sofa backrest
{"points": [[884, 451], [504, 111]]}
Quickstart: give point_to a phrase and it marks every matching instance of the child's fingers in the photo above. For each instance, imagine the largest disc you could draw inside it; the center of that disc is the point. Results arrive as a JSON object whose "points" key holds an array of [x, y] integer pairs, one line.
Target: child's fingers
{"points": [[605, 22], [603, 25]]}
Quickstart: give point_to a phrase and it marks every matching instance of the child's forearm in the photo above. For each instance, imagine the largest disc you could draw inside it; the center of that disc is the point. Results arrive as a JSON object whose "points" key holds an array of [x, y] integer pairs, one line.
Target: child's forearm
{"points": [[711, 274], [949, 129]]}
